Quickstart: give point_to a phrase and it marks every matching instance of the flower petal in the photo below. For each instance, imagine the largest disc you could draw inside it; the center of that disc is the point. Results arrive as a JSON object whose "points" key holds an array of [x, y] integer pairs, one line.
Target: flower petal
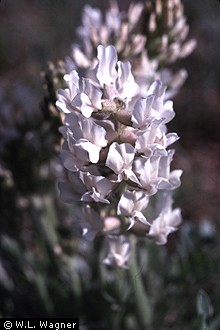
{"points": [[87, 151], [106, 71], [142, 111]]}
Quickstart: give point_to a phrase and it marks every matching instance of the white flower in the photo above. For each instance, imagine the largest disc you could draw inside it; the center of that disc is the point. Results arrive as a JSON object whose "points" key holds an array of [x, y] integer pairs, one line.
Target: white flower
{"points": [[85, 138], [66, 96], [88, 99], [149, 141], [142, 112], [119, 251], [160, 108], [84, 97], [118, 83], [169, 179], [100, 29], [111, 80], [152, 108], [134, 39], [153, 141], [127, 86], [131, 204], [154, 173], [166, 223], [80, 58], [106, 70], [147, 172], [120, 159], [98, 188]]}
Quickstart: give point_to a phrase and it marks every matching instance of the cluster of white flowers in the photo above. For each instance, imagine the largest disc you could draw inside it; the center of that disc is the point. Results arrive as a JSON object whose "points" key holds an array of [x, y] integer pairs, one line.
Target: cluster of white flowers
{"points": [[150, 35], [116, 154]]}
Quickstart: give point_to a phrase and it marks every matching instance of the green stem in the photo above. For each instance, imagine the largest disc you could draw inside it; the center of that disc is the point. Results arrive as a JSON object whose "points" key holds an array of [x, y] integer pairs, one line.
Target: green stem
{"points": [[204, 325], [142, 302]]}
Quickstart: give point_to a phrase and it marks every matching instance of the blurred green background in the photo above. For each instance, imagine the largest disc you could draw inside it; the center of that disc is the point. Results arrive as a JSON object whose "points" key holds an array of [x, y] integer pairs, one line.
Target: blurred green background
{"points": [[43, 272]]}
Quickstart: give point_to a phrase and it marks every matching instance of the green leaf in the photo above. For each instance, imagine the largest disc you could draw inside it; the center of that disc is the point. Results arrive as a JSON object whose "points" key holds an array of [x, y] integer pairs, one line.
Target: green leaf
{"points": [[215, 324], [204, 305]]}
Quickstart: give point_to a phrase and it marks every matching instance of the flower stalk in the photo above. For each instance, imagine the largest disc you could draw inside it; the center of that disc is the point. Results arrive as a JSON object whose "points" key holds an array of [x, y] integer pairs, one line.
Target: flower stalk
{"points": [[141, 300]]}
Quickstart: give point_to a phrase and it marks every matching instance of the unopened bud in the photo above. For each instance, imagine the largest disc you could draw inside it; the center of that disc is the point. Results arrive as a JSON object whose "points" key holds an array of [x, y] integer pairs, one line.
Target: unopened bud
{"points": [[158, 7], [188, 48], [124, 117], [111, 224], [152, 22]]}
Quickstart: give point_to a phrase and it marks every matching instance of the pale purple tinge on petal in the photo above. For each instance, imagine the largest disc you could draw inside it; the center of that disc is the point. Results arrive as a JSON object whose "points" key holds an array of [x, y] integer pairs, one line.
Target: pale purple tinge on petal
{"points": [[157, 89], [120, 157], [88, 98], [142, 112], [98, 188], [93, 92], [120, 160], [113, 16], [106, 71], [85, 139], [168, 112], [128, 135], [160, 107], [89, 221], [131, 204], [72, 81], [134, 12], [169, 179], [71, 122], [111, 132], [72, 189], [173, 80], [86, 151], [74, 160], [110, 93], [69, 161], [166, 223], [145, 71], [151, 142], [93, 132], [91, 17], [83, 103], [138, 44], [89, 31], [171, 138], [79, 57], [138, 216], [187, 48], [119, 251], [147, 173], [132, 201], [63, 101]]}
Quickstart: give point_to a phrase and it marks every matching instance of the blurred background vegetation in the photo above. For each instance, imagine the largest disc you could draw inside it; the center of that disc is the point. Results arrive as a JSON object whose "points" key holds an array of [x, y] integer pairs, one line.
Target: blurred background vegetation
{"points": [[44, 271]]}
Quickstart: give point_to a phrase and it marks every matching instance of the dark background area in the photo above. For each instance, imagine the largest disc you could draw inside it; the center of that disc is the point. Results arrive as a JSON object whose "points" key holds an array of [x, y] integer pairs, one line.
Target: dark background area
{"points": [[35, 32]]}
